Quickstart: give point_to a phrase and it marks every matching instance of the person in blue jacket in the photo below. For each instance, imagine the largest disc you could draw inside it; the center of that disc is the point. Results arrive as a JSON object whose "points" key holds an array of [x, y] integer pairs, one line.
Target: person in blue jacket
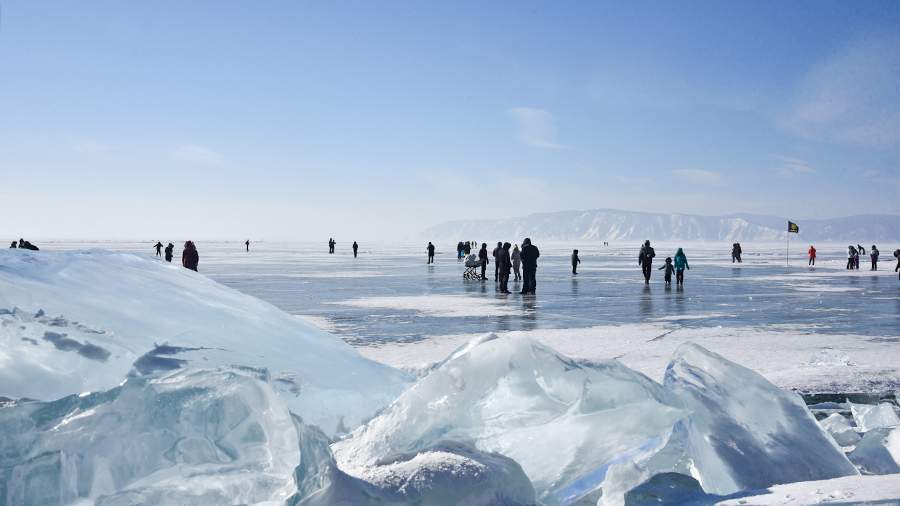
{"points": [[681, 264]]}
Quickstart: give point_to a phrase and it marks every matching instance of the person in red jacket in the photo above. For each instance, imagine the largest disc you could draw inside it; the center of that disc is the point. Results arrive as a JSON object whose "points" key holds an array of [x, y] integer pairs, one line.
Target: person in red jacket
{"points": [[812, 255]]}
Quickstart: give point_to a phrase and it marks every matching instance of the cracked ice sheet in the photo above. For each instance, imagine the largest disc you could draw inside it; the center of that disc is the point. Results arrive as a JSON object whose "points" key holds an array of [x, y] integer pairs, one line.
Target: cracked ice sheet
{"points": [[436, 305], [782, 353]]}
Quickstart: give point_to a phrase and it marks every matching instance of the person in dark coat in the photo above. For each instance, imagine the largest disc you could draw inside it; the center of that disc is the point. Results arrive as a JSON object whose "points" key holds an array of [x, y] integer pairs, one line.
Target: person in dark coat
{"points": [[897, 256], [158, 247], [467, 248], [190, 259], [575, 261], [247, 245], [529, 256], [736, 252], [645, 260], [504, 265], [873, 255], [13, 245], [483, 258], [331, 244], [496, 255], [170, 252], [23, 244], [430, 250], [355, 248], [669, 270]]}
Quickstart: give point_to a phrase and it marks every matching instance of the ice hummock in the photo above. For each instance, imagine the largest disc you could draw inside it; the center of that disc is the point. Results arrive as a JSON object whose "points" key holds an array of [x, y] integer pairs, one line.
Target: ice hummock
{"points": [[191, 437], [586, 431], [82, 321], [745, 433], [878, 452], [565, 422], [874, 416]]}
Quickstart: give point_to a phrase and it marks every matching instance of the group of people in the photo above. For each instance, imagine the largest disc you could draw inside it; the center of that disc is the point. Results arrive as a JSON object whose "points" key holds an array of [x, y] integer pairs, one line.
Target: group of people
{"points": [[853, 254], [190, 258], [508, 260], [676, 266], [23, 244], [332, 243]]}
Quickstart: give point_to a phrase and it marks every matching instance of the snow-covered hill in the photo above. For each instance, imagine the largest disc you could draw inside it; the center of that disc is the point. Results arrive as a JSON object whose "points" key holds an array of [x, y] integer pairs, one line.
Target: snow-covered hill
{"points": [[615, 225]]}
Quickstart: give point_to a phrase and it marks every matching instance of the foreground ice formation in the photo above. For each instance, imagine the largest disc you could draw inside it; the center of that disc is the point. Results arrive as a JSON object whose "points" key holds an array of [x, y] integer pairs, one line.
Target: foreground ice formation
{"points": [[592, 431], [198, 437], [81, 321]]}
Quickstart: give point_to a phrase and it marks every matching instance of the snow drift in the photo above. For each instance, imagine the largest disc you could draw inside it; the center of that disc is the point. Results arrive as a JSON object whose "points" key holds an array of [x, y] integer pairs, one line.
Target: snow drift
{"points": [[82, 321]]}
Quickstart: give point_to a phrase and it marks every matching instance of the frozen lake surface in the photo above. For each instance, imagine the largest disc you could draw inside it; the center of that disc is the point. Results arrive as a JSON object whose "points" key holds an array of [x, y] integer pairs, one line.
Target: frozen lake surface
{"points": [[395, 308]]}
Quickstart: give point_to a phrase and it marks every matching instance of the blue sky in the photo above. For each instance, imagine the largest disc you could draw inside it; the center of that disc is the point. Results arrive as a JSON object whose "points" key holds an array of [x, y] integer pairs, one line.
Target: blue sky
{"points": [[297, 120]]}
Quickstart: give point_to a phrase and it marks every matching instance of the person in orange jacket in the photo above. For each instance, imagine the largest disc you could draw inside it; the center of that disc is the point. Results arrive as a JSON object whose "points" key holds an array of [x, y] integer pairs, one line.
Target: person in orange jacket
{"points": [[812, 255]]}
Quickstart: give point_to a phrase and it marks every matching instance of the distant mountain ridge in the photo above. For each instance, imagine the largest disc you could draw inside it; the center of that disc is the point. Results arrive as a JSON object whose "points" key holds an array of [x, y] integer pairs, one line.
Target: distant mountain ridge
{"points": [[612, 224]]}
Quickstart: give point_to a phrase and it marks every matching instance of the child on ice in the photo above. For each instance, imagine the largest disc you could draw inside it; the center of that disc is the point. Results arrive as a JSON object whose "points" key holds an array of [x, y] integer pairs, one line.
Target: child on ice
{"points": [[669, 270], [575, 261]]}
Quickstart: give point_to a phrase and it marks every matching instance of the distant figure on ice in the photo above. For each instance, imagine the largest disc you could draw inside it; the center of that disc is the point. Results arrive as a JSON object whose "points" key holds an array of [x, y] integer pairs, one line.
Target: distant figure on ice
{"points": [[575, 261], [23, 244], [331, 245], [852, 256], [355, 248], [873, 255], [158, 247], [681, 264], [736, 252], [529, 256], [189, 257], [460, 250], [505, 264], [13, 245], [170, 252], [247, 245], [516, 262], [897, 256], [812, 255], [467, 248], [483, 258], [496, 255], [430, 249], [645, 260], [669, 270], [862, 251]]}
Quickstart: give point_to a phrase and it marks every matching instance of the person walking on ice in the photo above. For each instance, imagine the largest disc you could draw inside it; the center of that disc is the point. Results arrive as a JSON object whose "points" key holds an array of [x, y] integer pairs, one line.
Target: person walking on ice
{"points": [[897, 256], [505, 263], [430, 249], [645, 260], [247, 245], [496, 254], [158, 247], [483, 258], [331, 244], [681, 264], [190, 259], [736, 252], [355, 248], [669, 270], [516, 262], [873, 255], [575, 261], [170, 252], [812, 255], [529, 256]]}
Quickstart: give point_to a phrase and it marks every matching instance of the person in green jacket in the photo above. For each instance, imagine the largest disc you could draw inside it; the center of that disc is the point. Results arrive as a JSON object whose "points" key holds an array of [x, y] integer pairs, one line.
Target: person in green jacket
{"points": [[681, 264]]}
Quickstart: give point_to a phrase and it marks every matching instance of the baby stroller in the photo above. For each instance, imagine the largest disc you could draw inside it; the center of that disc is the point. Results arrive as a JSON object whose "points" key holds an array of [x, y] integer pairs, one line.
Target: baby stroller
{"points": [[472, 265]]}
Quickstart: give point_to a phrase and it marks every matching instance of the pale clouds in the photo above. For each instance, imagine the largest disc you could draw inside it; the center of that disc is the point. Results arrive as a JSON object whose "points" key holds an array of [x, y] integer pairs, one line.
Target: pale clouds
{"points": [[790, 167], [537, 127], [197, 154], [852, 98], [700, 176]]}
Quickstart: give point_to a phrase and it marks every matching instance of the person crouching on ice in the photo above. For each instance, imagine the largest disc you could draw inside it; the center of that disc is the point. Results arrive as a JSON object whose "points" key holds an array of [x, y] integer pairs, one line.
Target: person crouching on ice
{"points": [[669, 270]]}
